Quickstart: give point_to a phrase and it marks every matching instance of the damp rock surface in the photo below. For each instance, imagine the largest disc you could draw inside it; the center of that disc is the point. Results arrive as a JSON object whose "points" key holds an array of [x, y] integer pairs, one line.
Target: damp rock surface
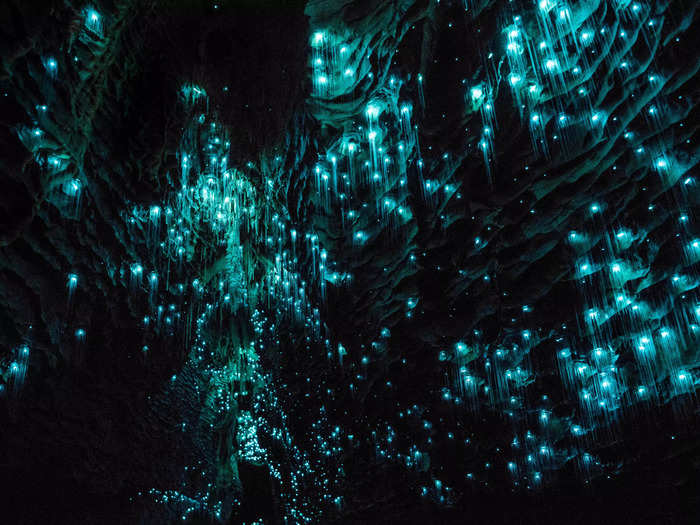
{"points": [[348, 261]]}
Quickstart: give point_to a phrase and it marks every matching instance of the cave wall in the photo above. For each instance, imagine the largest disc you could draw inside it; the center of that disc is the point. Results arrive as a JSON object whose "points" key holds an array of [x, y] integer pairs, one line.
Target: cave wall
{"points": [[353, 261]]}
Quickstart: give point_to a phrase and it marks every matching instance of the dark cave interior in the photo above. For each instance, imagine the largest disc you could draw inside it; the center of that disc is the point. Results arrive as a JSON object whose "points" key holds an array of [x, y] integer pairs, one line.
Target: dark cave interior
{"points": [[349, 261]]}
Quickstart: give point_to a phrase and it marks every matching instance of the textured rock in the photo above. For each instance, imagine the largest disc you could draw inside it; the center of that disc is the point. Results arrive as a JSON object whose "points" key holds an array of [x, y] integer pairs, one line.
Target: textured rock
{"points": [[349, 261]]}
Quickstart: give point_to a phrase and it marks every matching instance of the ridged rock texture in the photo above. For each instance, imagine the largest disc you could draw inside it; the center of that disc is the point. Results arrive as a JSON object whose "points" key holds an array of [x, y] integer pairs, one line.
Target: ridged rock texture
{"points": [[349, 261]]}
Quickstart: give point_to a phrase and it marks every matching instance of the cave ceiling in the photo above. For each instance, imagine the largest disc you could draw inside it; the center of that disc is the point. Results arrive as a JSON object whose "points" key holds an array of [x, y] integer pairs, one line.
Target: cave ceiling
{"points": [[349, 261]]}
